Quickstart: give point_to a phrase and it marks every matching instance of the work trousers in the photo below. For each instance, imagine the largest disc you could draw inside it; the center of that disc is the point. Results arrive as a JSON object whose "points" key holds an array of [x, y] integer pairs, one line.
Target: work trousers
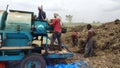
{"points": [[56, 35], [89, 48]]}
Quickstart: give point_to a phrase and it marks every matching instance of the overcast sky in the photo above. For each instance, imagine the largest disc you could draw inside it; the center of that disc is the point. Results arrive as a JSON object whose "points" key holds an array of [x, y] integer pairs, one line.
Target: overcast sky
{"points": [[81, 10]]}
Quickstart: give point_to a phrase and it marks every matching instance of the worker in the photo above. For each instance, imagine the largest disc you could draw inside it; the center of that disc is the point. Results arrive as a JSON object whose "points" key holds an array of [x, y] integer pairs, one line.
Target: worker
{"points": [[89, 41], [41, 17], [41, 14], [74, 37], [57, 32]]}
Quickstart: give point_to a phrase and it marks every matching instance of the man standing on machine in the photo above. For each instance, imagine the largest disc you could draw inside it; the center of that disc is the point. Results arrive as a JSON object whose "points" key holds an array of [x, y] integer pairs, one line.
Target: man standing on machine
{"points": [[41, 14], [57, 31]]}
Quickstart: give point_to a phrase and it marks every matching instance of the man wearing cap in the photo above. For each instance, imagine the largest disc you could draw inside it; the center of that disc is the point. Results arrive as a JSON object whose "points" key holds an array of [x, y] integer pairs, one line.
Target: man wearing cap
{"points": [[57, 31]]}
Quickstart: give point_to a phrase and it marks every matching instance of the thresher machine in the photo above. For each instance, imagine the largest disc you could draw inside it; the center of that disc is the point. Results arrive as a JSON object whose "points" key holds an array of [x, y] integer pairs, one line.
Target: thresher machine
{"points": [[16, 37]]}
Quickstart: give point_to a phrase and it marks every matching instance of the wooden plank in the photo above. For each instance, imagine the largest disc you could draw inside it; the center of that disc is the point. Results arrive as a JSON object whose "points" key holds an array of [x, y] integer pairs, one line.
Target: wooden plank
{"points": [[16, 47]]}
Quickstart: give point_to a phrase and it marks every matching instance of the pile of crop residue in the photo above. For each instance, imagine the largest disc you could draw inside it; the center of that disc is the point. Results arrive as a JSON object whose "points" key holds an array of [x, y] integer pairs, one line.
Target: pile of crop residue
{"points": [[107, 44]]}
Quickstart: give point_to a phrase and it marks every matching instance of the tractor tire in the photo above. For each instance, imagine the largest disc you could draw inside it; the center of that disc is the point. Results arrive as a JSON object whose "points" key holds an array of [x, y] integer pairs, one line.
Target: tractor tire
{"points": [[34, 60]]}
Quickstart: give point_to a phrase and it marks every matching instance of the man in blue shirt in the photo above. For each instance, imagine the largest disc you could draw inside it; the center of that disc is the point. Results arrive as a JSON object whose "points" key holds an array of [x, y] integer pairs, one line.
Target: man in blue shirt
{"points": [[41, 14]]}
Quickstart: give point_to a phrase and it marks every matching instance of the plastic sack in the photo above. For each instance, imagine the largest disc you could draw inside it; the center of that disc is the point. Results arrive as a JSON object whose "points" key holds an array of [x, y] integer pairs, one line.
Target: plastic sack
{"points": [[80, 64]]}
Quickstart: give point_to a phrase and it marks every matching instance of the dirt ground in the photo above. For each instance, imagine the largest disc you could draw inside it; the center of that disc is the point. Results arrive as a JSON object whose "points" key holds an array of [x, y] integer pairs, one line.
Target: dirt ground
{"points": [[102, 59], [107, 45]]}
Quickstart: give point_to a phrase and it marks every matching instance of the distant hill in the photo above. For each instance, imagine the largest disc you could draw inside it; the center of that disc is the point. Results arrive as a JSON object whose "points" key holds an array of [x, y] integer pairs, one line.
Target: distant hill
{"points": [[77, 24], [72, 24]]}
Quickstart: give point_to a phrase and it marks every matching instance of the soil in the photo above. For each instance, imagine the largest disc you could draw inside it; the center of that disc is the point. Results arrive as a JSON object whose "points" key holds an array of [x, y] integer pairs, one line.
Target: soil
{"points": [[106, 45]]}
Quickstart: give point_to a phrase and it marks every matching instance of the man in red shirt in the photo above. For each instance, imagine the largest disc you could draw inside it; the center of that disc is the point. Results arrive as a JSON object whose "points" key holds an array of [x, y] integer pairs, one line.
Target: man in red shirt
{"points": [[74, 38], [57, 31]]}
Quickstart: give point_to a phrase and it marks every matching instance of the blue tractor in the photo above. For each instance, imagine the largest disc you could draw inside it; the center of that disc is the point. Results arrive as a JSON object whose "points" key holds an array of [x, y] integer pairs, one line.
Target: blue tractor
{"points": [[16, 37]]}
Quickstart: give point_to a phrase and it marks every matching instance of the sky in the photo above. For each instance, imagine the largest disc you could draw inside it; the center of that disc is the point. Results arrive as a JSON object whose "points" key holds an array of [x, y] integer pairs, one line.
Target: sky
{"points": [[81, 10]]}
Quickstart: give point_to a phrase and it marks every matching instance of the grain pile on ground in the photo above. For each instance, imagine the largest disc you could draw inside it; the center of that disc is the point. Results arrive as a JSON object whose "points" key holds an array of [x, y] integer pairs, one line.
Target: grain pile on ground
{"points": [[107, 35], [107, 44]]}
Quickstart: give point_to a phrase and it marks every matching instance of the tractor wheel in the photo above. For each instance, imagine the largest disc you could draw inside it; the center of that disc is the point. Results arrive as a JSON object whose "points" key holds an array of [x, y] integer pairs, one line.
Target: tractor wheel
{"points": [[33, 61]]}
